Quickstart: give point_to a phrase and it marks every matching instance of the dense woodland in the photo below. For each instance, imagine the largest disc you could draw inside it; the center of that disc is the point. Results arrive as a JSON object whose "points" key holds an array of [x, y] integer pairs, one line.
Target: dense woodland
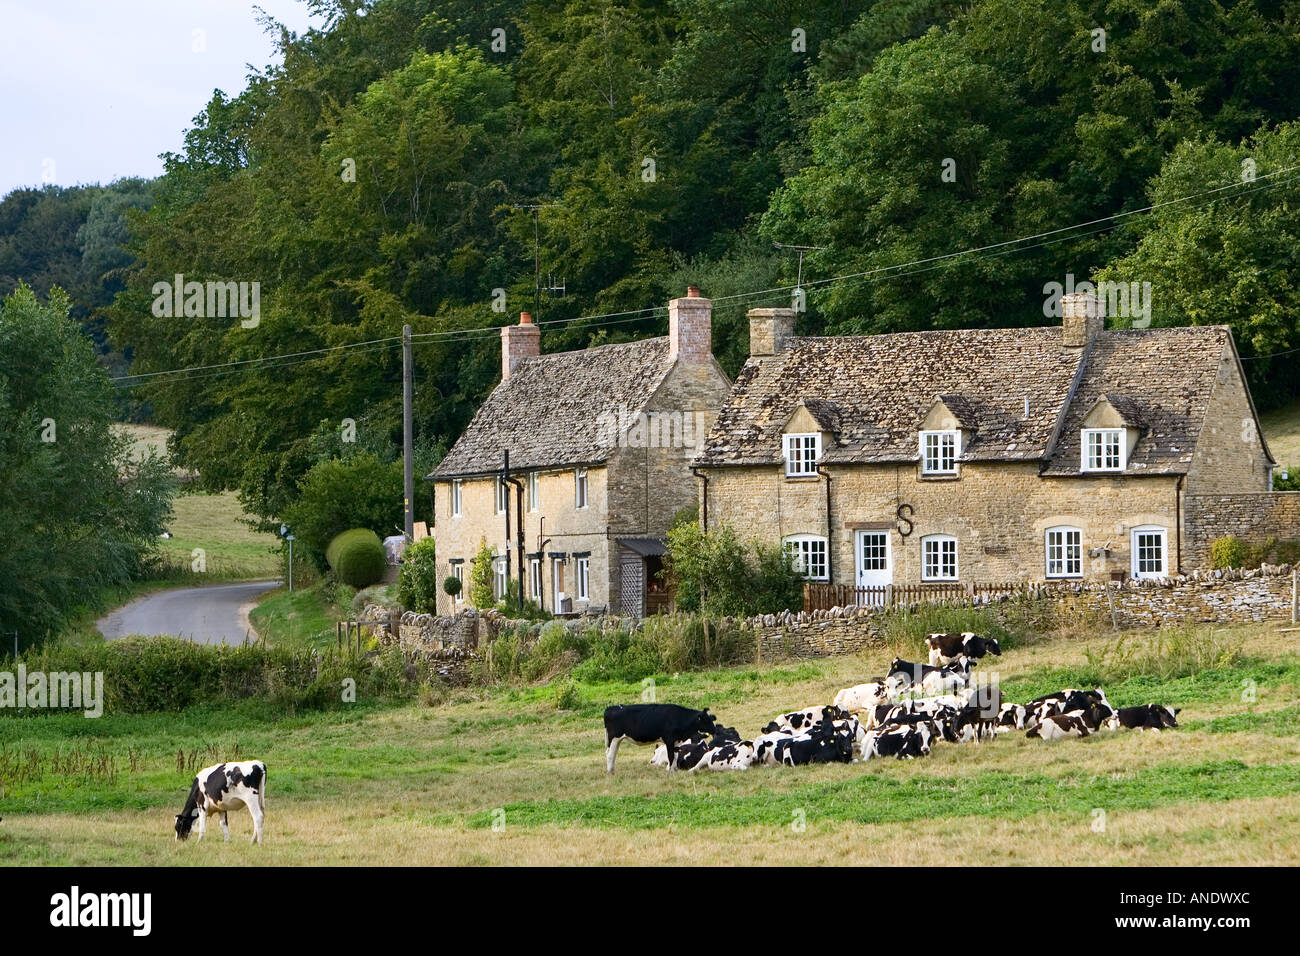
{"points": [[671, 142]]}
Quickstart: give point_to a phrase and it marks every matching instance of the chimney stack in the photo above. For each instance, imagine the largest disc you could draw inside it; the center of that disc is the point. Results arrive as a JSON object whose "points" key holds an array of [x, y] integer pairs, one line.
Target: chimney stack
{"points": [[690, 328], [770, 330], [1082, 317], [519, 342]]}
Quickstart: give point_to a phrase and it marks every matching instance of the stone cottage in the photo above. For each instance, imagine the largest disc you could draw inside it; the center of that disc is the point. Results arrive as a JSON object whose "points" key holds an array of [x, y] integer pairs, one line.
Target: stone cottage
{"points": [[985, 455], [574, 467]]}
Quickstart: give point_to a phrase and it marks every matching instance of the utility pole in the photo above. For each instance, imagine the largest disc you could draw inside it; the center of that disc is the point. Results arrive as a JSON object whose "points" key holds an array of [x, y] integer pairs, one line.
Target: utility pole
{"points": [[408, 438], [537, 256]]}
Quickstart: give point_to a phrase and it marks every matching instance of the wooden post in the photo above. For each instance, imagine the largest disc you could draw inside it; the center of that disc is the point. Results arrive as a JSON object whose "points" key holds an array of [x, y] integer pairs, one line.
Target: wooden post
{"points": [[1295, 597]]}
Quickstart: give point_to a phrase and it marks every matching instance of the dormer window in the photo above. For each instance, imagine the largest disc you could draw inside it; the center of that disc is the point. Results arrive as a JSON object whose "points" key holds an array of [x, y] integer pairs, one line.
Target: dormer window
{"points": [[939, 451], [801, 454], [1103, 449]]}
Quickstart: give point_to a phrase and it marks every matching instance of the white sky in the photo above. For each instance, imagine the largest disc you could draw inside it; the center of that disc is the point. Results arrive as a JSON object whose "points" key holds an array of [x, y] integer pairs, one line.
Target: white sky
{"points": [[94, 90]]}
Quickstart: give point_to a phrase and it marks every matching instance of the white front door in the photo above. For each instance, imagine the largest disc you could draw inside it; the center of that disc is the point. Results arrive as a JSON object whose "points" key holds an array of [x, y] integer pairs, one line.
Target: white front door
{"points": [[875, 570]]}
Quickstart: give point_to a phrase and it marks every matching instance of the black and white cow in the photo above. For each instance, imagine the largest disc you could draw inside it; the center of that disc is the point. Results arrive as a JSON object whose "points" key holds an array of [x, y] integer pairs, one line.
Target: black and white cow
{"points": [[934, 680], [651, 723], [1057, 726], [863, 697], [730, 755], [948, 647], [902, 742], [823, 744], [687, 754], [800, 720], [220, 789], [1148, 717], [1011, 717], [1065, 701]]}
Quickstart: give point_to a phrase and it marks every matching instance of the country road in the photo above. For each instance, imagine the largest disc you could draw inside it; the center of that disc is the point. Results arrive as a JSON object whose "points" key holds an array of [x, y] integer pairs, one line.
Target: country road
{"points": [[216, 614]]}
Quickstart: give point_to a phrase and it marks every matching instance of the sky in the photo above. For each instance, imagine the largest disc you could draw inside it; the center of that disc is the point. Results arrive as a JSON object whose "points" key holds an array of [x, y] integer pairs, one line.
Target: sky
{"points": [[94, 90]]}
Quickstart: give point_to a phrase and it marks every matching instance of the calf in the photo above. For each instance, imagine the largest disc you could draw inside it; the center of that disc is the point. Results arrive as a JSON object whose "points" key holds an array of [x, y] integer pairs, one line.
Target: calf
{"points": [[649, 723], [220, 789], [948, 647], [1011, 717], [1148, 717]]}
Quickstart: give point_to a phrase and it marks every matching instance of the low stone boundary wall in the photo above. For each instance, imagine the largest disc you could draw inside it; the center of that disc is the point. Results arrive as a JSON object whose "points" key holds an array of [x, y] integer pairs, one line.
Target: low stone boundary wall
{"points": [[1203, 597]]}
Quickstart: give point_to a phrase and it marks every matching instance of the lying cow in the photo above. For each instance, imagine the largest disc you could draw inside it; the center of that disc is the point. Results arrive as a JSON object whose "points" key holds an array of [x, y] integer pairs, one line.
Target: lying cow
{"points": [[650, 723], [863, 697], [731, 755], [801, 720], [220, 789], [1011, 717], [934, 680], [1058, 726], [901, 742], [948, 647], [1062, 702], [1148, 717]]}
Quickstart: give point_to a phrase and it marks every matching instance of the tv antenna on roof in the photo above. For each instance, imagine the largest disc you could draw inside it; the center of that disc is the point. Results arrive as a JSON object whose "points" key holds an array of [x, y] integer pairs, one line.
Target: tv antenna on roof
{"points": [[802, 250], [537, 255]]}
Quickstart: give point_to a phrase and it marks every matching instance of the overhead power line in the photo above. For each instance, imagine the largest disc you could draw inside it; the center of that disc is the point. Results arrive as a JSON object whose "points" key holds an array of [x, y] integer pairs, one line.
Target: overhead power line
{"points": [[991, 250]]}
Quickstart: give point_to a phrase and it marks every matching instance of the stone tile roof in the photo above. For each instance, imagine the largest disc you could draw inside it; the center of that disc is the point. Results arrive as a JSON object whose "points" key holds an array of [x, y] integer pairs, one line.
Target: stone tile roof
{"points": [[882, 386], [554, 410], [1158, 379]]}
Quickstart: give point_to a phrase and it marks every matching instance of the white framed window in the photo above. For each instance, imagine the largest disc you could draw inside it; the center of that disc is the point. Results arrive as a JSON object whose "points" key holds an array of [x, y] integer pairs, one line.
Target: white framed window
{"points": [[535, 578], [1149, 550], [939, 451], [455, 498], [801, 454], [502, 495], [534, 496], [580, 488], [1103, 449], [458, 572], [808, 553], [1064, 552], [939, 558], [584, 579], [499, 578]]}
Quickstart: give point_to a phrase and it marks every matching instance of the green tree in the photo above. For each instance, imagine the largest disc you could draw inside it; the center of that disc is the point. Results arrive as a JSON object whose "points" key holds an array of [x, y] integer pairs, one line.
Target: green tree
{"points": [[480, 578], [80, 513], [342, 493], [417, 584]]}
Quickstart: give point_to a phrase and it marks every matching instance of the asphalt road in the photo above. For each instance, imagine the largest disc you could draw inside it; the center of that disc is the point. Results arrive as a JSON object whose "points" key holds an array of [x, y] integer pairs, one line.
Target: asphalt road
{"points": [[216, 614]]}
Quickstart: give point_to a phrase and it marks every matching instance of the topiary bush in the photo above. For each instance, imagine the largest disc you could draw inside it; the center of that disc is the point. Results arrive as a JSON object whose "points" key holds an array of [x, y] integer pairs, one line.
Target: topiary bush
{"points": [[357, 557]]}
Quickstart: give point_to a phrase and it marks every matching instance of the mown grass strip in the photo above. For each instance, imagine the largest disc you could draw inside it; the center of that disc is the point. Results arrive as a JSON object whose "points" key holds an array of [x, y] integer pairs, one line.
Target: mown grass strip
{"points": [[877, 797]]}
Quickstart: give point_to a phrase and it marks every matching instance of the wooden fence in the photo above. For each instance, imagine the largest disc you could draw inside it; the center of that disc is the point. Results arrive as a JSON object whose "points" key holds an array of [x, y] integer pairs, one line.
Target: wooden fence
{"points": [[823, 597]]}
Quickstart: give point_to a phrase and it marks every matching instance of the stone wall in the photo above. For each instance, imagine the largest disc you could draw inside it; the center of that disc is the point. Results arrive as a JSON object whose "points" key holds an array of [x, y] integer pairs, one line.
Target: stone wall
{"points": [[1253, 517], [1203, 597]]}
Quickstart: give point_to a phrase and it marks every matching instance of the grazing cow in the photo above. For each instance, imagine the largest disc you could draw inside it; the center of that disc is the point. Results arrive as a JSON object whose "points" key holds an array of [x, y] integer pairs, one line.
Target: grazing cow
{"points": [[1058, 726], [220, 789], [1148, 717], [903, 742], [801, 720], [649, 723], [948, 647]]}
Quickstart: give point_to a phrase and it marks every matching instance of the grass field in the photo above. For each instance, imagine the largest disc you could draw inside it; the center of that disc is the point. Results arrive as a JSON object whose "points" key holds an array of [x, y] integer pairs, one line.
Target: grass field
{"points": [[501, 775], [1282, 431]]}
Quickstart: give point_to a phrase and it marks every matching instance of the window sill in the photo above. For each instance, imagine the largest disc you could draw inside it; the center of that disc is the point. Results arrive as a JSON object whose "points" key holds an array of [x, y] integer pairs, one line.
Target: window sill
{"points": [[809, 478], [939, 476]]}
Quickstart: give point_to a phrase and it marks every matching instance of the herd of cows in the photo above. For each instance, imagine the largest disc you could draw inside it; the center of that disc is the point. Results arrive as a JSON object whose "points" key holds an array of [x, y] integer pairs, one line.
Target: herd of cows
{"points": [[901, 715]]}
